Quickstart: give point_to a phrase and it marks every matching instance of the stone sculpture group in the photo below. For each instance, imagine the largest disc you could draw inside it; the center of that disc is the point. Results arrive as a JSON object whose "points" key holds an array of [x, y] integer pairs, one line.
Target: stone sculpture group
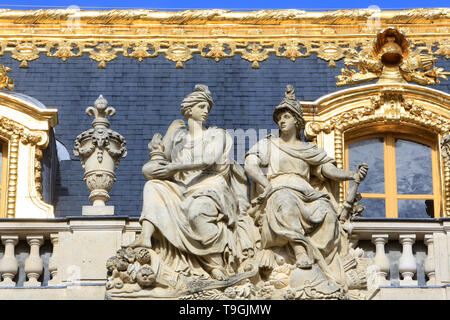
{"points": [[203, 235]]}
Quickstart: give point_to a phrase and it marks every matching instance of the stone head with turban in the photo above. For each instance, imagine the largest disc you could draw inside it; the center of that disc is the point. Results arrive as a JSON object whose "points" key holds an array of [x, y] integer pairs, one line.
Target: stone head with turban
{"points": [[201, 94]]}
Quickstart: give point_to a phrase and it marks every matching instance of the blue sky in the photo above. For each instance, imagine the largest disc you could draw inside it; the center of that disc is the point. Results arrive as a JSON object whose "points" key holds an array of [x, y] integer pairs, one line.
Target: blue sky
{"points": [[229, 4]]}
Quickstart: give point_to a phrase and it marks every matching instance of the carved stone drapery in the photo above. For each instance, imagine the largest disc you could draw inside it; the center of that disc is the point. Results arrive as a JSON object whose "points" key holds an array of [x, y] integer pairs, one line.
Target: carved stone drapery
{"points": [[100, 150]]}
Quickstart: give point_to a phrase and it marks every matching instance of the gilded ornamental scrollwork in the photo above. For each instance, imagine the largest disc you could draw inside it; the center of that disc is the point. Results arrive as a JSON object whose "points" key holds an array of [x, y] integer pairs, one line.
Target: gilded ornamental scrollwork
{"points": [[179, 51], [15, 133], [5, 81], [219, 34], [391, 59]]}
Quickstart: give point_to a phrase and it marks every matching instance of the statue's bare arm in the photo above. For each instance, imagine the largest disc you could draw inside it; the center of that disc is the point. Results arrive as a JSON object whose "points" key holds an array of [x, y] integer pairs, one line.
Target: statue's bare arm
{"points": [[332, 172], [252, 167]]}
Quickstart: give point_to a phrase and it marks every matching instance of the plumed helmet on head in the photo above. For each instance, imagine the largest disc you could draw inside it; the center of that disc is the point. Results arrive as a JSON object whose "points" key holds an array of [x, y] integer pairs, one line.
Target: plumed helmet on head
{"points": [[201, 94], [290, 103]]}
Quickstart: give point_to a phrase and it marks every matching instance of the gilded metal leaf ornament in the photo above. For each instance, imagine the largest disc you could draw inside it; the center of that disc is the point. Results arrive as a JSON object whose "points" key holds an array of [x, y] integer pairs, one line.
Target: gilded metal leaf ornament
{"points": [[105, 53], [291, 49], [64, 49], [290, 34], [140, 49], [444, 49], [217, 50], [330, 52], [5, 81], [178, 53], [255, 55], [24, 52], [391, 58]]}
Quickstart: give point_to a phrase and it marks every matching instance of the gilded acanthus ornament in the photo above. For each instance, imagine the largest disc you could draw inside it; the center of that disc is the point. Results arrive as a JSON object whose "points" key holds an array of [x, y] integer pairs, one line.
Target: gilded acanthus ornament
{"points": [[100, 150], [5, 81], [390, 59]]}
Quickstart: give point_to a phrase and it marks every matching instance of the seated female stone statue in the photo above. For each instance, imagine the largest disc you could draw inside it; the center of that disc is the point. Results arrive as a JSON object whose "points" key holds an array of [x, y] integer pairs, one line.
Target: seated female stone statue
{"points": [[193, 199], [295, 216]]}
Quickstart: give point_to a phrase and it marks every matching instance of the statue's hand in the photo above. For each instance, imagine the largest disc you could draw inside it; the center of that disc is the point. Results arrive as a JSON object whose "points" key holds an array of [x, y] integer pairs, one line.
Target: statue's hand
{"points": [[361, 172], [263, 195], [165, 171]]}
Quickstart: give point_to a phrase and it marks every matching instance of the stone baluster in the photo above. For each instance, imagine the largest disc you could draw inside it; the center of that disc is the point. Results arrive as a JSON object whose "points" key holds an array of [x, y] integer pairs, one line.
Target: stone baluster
{"points": [[381, 260], [430, 269], [8, 264], [34, 265], [52, 263], [407, 262]]}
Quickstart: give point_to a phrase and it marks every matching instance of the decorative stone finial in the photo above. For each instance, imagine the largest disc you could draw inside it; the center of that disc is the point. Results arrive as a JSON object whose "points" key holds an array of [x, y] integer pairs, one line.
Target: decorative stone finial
{"points": [[100, 112], [5, 81], [290, 92], [100, 150]]}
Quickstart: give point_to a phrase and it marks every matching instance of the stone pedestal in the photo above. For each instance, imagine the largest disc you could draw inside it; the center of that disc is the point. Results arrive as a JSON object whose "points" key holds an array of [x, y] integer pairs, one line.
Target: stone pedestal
{"points": [[97, 211]]}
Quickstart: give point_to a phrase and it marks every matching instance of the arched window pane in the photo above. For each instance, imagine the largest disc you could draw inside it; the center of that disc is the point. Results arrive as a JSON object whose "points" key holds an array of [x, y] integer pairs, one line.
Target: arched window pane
{"points": [[370, 151], [414, 173], [415, 208], [375, 208]]}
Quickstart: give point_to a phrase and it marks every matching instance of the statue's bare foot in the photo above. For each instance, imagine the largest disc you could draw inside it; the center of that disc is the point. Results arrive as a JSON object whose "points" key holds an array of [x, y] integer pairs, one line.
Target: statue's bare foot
{"points": [[218, 275], [141, 242], [304, 262]]}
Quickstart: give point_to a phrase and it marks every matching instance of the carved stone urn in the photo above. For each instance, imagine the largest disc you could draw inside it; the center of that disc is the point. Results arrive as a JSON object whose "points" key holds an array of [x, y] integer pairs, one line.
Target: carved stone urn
{"points": [[100, 150]]}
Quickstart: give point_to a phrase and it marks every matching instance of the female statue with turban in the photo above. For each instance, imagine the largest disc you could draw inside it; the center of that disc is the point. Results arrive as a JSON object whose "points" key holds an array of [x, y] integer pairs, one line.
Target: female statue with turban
{"points": [[297, 217], [194, 197]]}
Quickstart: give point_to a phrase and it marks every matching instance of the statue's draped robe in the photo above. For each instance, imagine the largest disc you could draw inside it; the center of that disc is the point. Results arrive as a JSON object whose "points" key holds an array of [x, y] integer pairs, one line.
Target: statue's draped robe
{"points": [[295, 211], [196, 212]]}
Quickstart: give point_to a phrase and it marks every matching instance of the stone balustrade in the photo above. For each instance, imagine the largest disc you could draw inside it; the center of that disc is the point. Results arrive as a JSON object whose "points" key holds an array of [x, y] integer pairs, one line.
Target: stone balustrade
{"points": [[59, 255], [408, 254], [65, 257]]}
